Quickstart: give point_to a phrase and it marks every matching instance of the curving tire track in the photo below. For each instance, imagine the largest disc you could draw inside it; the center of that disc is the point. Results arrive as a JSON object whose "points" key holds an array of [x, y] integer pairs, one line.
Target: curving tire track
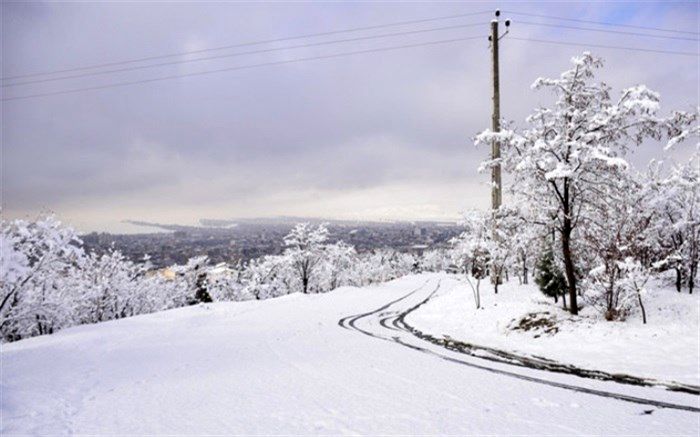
{"points": [[501, 356], [396, 324], [350, 322]]}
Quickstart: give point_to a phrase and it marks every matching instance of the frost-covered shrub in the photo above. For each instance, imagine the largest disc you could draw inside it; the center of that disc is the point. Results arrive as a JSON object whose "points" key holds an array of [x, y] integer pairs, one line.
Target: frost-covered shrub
{"points": [[383, 265], [227, 283], [336, 269], [490, 244], [111, 288], [436, 260], [270, 276], [618, 287]]}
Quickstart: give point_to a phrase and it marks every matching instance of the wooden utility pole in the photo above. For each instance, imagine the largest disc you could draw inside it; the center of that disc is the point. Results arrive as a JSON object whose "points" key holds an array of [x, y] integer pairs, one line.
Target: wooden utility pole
{"points": [[496, 119], [496, 194]]}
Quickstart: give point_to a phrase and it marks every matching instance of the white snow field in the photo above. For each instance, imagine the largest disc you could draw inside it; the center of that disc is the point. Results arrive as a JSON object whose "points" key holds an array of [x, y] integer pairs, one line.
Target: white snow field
{"points": [[287, 366], [667, 348]]}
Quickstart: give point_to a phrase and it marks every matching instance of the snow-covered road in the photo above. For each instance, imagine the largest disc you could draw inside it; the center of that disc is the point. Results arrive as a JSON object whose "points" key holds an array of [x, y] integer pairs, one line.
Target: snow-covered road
{"points": [[285, 366]]}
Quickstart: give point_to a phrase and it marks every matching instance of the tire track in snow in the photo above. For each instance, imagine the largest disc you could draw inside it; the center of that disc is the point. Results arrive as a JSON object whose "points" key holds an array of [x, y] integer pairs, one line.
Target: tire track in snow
{"points": [[399, 325], [350, 322], [538, 363]]}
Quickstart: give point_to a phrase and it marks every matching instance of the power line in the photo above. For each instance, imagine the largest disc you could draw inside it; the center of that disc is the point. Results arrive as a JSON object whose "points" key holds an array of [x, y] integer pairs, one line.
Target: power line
{"points": [[551, 17], [619, 32], [210, 58], [251, 43], [242, 67], [578, 44]]}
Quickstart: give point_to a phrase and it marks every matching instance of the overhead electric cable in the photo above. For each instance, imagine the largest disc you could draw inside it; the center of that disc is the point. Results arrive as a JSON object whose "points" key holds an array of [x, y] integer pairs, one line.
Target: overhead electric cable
{"points": [[601, 23], [578, 44], [242, 67], [244, 44], [231, 55], [618, 32]]}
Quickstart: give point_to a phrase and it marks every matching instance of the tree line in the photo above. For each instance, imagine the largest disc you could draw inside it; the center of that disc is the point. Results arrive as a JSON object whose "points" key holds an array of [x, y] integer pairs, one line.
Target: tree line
{"points": [[50, 282], [596, 229]]}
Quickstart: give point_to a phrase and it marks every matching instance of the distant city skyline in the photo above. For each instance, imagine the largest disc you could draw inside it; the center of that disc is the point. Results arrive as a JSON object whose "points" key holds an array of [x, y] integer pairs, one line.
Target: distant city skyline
{"points": [[374, 136]]}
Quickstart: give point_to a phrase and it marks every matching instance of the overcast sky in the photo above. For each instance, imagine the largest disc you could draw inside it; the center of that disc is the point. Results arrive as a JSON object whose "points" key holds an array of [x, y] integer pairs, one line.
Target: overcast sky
{"points": [[374, 136]]}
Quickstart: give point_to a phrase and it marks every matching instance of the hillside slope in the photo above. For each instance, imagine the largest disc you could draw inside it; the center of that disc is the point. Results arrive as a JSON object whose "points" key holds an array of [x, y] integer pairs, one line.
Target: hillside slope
{"points": [[286, 366]]}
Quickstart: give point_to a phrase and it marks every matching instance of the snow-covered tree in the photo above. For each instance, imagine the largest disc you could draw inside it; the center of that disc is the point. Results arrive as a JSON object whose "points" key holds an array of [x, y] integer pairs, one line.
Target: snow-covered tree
{"points": [[337, 267], [111, 288], [559, 159], [305, 251], [435, 260], [494, 241], [270, 276], [383, 265], [676, 202], [472, 251], [37, 259], [228, 283], [194, 276]]}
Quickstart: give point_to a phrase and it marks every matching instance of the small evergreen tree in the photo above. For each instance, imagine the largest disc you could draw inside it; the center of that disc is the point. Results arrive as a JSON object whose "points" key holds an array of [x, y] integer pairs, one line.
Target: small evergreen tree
{"points": [[549, 278], [201, 294]]}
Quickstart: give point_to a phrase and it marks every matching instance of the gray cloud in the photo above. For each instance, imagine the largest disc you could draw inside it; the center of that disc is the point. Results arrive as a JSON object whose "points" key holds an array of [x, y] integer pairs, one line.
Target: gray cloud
{"points": [[384, 135]]}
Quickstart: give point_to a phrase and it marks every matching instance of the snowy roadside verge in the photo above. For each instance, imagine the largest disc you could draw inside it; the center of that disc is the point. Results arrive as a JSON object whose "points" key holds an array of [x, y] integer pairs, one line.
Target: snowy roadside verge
{"points": [[666, 349]]}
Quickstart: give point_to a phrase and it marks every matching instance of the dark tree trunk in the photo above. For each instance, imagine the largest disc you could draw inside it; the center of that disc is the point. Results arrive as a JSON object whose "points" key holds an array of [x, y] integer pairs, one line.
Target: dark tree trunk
{"points": [[569, 265], [566, 231], [691, 281], [563, 300], [692, 274], [641, 305], [679, 279]]}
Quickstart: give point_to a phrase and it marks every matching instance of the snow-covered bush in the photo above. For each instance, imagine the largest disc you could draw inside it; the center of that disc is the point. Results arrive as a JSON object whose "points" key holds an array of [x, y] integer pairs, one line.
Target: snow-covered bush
{"points": [[617, 288], [111, 288], [227, 283], [270, 276], [336, 270], [492, 244], [436, 260], [383, 265]]}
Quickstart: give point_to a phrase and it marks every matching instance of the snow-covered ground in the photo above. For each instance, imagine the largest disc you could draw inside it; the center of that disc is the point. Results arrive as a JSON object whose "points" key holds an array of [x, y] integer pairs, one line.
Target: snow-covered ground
{"points": [[666, 348], [286, 366]]}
